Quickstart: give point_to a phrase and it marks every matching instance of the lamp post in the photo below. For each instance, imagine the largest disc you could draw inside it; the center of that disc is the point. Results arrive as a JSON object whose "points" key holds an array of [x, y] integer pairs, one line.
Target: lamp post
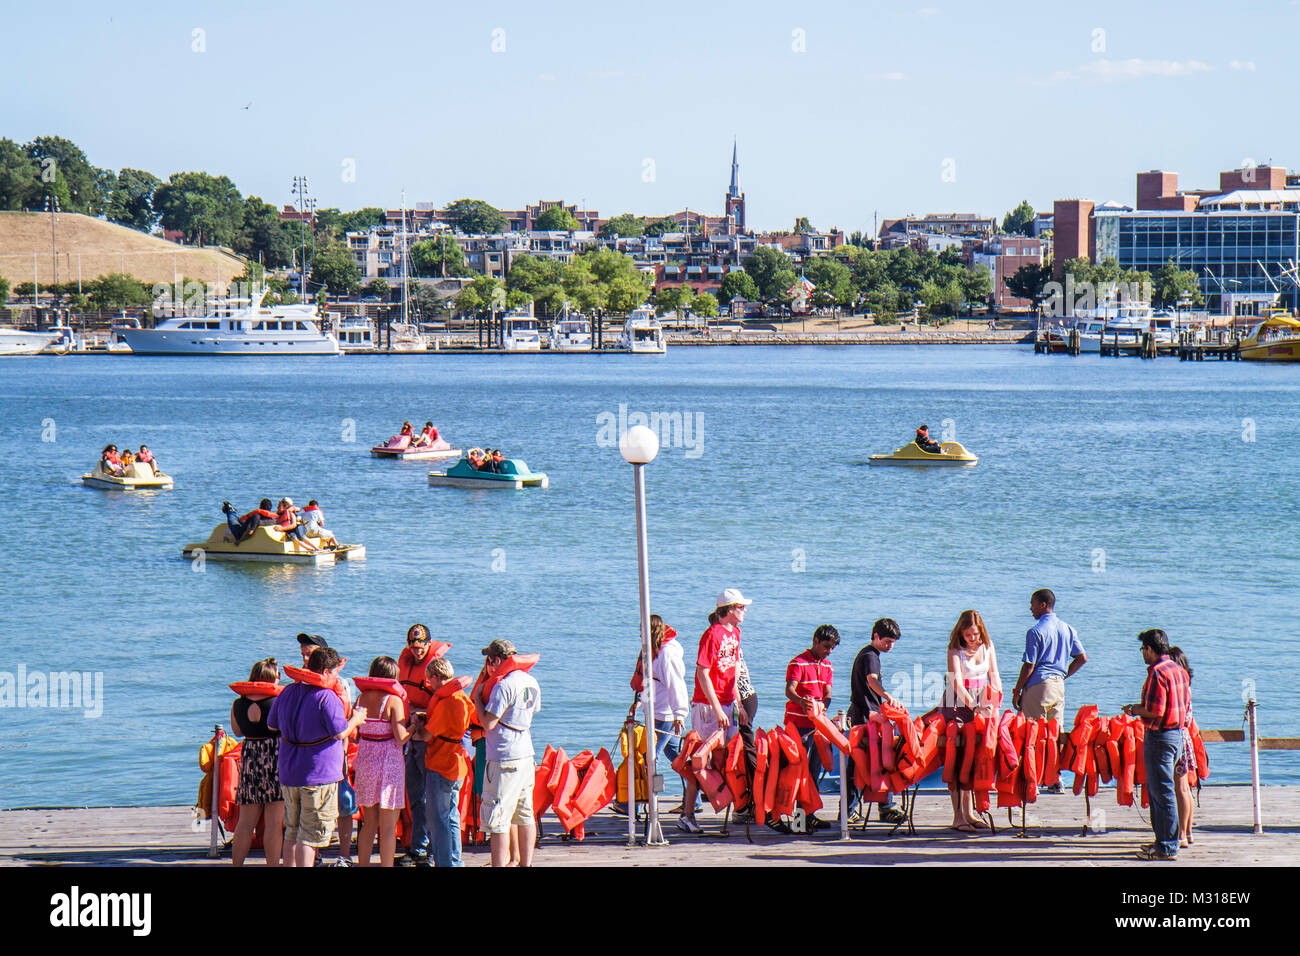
{"points": [[639, 446]]}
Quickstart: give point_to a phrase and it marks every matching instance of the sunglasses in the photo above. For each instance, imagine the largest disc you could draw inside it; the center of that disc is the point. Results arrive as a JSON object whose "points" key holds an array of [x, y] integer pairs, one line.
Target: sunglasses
{"points": [[416, 640]]}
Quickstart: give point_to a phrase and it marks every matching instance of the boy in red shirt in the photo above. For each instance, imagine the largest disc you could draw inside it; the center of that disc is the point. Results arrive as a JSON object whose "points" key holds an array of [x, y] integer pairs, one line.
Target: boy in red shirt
{"points": [[807, 682]]}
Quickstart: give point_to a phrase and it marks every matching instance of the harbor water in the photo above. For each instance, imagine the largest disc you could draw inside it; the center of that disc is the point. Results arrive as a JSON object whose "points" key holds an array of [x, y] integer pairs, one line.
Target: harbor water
{"points": [[1146, 494]]}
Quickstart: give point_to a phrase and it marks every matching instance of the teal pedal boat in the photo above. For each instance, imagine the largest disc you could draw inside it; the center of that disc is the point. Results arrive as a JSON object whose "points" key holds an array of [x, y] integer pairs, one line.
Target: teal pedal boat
{"points": [[514, 474]]}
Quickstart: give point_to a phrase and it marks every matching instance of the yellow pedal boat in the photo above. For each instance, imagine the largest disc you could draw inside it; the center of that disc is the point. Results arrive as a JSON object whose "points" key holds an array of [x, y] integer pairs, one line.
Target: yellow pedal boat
{"points": [[268, 544], [912, 454], [141, 478]]}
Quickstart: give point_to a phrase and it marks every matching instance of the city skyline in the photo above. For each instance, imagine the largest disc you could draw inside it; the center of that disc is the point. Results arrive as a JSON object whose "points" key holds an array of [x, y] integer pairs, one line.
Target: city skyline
{"points": [[841, 113]]}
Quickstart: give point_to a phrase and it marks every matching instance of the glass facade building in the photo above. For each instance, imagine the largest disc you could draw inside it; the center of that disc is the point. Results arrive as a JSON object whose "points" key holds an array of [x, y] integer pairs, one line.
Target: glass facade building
{"points": [[1231, 252]]}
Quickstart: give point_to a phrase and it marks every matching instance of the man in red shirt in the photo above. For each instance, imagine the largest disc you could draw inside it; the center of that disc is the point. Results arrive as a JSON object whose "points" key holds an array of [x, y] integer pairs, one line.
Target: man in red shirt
{"points": [[713, 706], [1166, 698], [808, 683]]}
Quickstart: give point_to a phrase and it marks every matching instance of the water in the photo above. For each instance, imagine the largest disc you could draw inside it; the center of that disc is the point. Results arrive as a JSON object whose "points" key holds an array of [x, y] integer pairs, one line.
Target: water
{"points": [[1125, 486]]}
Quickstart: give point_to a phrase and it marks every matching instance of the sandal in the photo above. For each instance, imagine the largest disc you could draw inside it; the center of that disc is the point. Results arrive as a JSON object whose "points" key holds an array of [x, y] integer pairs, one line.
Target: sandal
{"points": [[963, 828]]}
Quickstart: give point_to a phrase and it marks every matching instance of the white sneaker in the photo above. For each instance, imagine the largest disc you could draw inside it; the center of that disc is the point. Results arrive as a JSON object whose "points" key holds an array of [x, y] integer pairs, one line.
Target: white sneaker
{"points": [[688, 825]]}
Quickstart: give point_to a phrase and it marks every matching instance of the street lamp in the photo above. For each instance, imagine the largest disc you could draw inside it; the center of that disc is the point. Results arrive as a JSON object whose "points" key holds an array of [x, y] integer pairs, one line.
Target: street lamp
{"points": [[639, 446]]}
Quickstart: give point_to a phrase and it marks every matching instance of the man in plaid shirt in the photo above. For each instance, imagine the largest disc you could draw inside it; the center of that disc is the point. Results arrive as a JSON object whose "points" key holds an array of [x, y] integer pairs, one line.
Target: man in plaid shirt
{"points": [[1166, 698]]}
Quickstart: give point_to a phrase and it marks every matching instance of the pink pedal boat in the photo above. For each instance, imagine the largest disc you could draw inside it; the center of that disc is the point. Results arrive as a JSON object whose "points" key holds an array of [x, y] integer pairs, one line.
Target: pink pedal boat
{"points": [[401, 446]]}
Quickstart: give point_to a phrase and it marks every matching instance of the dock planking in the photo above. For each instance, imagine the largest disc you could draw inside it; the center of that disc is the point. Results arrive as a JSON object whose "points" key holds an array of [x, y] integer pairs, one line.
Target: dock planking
{"points": [[165, 836]]}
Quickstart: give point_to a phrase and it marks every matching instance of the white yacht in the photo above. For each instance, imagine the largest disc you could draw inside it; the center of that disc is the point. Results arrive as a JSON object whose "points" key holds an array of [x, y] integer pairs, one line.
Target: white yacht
{"points": [[356, 334], [643, 333], [115, 341], [253, 330], [570, 335], [519, 332], [24, 342]]}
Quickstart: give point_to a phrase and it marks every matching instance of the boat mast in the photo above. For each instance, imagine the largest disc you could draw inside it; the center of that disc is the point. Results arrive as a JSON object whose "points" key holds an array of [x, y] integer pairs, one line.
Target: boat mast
{"points": [[404, 319]]}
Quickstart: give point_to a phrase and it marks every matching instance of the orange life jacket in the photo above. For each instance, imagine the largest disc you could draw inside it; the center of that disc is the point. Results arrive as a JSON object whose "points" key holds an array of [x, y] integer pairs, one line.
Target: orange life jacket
{"points": [[682, 762], [760, 777], [888, 750], [1052, 754], [966, 774], [597, 787], [1031, 758], [1129, 757], [793, 769], [411, 673], [771, 782], [541, 791], [735, 775], [1198, 750], [712, 780], [260, 688], [570, 777], [515, 662], [387, 685], [829, 731], [806, 793], [638, 677]]}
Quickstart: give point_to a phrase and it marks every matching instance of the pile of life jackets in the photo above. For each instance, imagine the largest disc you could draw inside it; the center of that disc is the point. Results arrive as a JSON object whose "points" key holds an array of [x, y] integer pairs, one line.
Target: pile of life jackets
{"points": [[573, 788], [228, 758]]}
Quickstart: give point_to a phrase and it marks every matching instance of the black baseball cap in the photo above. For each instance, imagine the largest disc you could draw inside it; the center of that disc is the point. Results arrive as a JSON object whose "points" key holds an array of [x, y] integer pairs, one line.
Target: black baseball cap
{"points": [[312, 640]]}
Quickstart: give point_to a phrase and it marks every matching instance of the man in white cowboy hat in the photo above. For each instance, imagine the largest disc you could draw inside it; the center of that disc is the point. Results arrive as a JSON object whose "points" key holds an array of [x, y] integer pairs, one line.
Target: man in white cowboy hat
{"points": [[713, 706]]}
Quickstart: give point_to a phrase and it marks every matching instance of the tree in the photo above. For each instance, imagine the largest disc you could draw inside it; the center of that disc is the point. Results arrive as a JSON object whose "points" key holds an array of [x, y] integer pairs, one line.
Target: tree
{"points": [[441, 256], [205, 208], [737, 283], [118, 290], [624, 225], [976, 285], [705, 305], [802, 226], [4, 291], [764, 266], [485, 293], [657, 227], [556, 219], [335, 224], [1171, 283], [88, 187], [378, 288], [475, 217], [672, 298], [1028, 282], [832, 279], [20, 177], [1019, 221], [422, 301], [131, 202], [333, 269], [264, 234]]}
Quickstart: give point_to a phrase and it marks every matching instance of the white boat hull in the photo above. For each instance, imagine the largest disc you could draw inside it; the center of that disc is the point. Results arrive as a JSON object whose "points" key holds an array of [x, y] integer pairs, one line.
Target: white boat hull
{"points": [[154, 342], [418, 454], [20, 342], [439, 480], [127, 484]]}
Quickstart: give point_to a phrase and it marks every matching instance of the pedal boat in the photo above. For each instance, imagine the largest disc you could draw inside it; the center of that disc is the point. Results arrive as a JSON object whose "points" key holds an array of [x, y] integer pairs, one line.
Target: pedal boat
{"points": [[266, 544], [514, 474], [400, 447], [912, 454], [142, 478]]}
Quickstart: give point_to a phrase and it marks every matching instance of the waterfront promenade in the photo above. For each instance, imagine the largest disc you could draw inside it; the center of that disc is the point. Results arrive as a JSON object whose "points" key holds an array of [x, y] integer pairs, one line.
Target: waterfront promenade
{"points": [[152, 836]]}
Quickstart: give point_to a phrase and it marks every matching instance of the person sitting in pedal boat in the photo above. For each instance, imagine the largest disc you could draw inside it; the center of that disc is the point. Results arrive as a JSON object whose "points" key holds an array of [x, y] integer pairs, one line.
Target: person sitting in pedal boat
{"points": [[924, 442]]}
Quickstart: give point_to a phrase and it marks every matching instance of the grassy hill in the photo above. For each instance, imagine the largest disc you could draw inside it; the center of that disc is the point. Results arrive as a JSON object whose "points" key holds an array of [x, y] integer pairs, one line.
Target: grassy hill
{"points": [[100, 247]]}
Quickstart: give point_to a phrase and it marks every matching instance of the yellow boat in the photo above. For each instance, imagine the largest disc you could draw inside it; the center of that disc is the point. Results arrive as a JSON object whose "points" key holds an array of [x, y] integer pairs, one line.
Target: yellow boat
{"points": [[268, 544], [912, 454], [1276, 339], [142, 478]]}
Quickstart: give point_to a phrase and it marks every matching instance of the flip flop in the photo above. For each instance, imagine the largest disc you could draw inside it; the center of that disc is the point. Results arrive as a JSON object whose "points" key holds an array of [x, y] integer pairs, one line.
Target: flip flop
{"points": [[964, 828]]}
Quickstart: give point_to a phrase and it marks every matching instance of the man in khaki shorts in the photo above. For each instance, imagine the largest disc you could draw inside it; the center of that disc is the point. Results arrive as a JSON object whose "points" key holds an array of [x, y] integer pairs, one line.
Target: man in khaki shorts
{"points": [[506, 717], [1052, 653]]}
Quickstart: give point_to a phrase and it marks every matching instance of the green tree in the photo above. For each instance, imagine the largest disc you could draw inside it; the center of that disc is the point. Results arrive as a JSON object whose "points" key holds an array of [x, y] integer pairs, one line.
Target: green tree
{"points": [[833, 279], [117, 290], [335, 224], [378, 288], [1028, 282], [737, 283], [1019, 221], [1170, 283], [4, 291], [475, 217], [131, 202], [88, 187], [439, 256], [976, 285], [556, 219], [485, 293], [624, 225], [764, 267], [20, 177], [705, 305], [802, 226], [657, 227], [264, 234], [207, 209], [333, 269]]}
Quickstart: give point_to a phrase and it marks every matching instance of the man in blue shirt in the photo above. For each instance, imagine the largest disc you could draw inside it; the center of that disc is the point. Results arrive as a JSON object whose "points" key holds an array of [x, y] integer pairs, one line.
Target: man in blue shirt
{"points": [[1052, 653]]}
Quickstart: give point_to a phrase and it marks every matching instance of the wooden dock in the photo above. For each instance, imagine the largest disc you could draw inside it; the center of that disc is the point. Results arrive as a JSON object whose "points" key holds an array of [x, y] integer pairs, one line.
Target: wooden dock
{"points": [[1219, 344], [166, 836]]}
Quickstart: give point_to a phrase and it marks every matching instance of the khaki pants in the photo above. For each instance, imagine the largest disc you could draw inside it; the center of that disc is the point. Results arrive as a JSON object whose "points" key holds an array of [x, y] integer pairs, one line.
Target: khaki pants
{"points": [[1045, 699]]}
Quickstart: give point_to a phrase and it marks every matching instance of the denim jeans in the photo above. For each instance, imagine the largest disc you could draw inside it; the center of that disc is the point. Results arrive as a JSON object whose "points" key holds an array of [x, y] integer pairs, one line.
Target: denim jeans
{"points": [[415, 796], [665, 742], [442, 811], [1159, 751]]}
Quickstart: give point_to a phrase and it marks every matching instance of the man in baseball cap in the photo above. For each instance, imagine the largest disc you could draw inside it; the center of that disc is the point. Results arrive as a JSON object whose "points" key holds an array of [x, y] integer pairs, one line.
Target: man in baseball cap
{"points": [[506, 717]]}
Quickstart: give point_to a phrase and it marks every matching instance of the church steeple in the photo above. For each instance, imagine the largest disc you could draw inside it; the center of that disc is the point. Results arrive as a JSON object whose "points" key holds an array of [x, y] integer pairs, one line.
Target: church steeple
{"points": [[733, 204]]}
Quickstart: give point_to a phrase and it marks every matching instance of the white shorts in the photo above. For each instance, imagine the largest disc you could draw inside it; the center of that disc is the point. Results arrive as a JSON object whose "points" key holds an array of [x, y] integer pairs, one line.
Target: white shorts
{"points": [[705, 723], [508, 794]]}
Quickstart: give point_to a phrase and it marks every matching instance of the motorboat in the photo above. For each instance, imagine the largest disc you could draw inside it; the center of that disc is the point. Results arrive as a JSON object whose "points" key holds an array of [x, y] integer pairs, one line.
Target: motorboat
{"points": [[519, 332], [569, 335], [642, 332], [116, 343], [356, 334], [266, 544], [953, 453], [1275, 339], [143, 477], [253, 330], [401, 447], [25, 342], [514, 474], [66, 340]]}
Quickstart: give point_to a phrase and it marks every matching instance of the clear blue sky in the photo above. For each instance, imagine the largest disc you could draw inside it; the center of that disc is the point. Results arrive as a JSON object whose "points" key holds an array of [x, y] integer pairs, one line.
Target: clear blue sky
{"points": [[861, 120]]}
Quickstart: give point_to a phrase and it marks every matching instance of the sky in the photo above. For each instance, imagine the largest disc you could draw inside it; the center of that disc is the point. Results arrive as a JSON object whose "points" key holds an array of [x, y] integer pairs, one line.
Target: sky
{"points": [[842, 111]]}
